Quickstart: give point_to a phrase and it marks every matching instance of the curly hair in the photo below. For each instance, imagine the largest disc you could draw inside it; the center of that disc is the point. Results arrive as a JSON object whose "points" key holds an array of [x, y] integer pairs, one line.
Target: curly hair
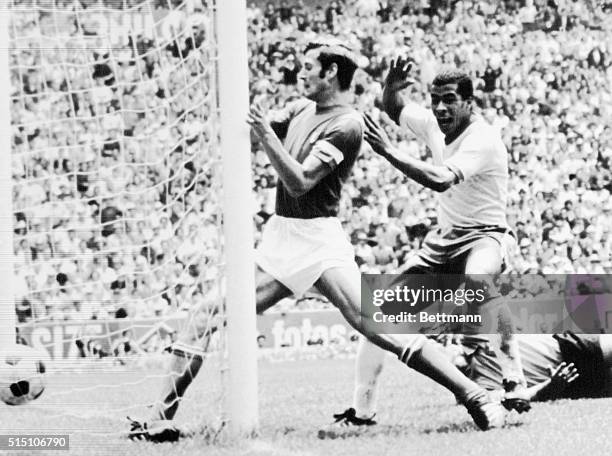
{"points": [[465, 88]]}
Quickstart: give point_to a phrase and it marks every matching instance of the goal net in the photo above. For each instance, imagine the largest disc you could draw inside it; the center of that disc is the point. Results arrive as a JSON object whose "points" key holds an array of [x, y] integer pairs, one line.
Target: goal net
{"points": [[117, 169]]}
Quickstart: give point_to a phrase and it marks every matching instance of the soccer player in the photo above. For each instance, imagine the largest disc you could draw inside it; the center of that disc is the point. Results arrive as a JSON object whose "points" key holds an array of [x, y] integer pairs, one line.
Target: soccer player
{"points": [[583, 364], [469, 171], [313, 145], [559, 366]]}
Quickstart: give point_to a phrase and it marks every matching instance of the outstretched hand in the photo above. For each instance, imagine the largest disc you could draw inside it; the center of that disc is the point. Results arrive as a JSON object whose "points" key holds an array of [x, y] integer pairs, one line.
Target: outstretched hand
{"points": [[256, 118], [398, 77], [562, 376], [376, 136]]}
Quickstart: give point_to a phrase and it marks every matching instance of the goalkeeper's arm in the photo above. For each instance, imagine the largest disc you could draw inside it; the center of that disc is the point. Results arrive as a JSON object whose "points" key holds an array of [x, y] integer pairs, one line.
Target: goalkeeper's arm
{"points": [[549, 389]]}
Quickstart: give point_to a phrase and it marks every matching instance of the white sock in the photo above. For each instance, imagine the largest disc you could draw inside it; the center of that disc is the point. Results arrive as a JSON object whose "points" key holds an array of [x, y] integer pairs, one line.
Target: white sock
{"points": [[368, 366]]}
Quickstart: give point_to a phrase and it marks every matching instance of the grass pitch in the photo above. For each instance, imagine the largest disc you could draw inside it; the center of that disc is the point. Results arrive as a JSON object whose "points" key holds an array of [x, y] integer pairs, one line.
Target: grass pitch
{"points": [[297, 399]]}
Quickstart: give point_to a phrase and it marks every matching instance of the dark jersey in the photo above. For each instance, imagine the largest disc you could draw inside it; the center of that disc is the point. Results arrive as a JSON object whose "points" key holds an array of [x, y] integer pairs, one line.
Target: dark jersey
{"points": [[334, 135]]}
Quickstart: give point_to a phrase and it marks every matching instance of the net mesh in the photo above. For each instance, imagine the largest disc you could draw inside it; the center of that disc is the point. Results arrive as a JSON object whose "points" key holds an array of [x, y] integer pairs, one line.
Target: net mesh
{"points": [[116, 199]]}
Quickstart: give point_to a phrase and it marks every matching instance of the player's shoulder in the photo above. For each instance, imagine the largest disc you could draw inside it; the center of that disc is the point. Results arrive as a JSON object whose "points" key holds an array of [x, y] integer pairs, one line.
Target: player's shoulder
{"points": [[480, 127], [290, 110], [349, 120], [483, 135], [301, 104], [412, 108], [413, 112]]}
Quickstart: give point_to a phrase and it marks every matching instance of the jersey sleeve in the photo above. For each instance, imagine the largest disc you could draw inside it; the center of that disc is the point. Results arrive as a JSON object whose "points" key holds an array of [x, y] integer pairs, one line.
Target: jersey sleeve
{"points": [[471, 158], [341, 142], [421, 122], [280, 119]]}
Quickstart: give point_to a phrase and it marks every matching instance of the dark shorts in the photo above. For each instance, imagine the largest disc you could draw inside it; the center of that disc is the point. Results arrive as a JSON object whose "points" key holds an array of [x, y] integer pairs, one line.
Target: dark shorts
{"points": [[585, 352]]}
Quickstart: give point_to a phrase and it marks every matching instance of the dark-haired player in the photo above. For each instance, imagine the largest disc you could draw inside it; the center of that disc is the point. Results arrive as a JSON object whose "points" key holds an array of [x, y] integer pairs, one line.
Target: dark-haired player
{"points": [[469, 171], [313, 145]]}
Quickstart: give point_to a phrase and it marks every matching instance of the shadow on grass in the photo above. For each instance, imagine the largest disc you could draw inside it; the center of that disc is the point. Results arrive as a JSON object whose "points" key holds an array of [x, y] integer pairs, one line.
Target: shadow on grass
{"points": [[395, 430], [466, 426], [399, 430]]}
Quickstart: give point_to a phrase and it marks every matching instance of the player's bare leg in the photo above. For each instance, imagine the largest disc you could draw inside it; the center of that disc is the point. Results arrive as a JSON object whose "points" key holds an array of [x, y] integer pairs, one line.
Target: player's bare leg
{"points": [[188, 351], [483, 262], [342, 287], [186, 358]]}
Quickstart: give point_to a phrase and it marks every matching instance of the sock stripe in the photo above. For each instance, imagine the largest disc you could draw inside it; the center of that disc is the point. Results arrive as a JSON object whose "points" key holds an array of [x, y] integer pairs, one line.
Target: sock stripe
{"points": [[185, 351], [415, 344], [405, 356]]}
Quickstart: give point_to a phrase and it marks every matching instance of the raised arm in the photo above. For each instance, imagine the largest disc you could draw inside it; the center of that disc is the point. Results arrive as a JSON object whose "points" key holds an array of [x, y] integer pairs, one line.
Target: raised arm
{"points": [[298, 178], [327, 153], [397, 80]]}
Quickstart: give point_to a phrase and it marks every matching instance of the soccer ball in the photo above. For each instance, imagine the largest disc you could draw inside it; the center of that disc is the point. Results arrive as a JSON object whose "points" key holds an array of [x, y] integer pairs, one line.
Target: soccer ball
{"points": [[22, 374]]}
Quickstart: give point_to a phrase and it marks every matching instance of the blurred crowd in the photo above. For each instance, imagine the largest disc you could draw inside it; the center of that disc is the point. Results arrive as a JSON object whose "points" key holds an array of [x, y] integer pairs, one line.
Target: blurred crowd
{"points": [[116, 168], [543, 77], [114, 159]]}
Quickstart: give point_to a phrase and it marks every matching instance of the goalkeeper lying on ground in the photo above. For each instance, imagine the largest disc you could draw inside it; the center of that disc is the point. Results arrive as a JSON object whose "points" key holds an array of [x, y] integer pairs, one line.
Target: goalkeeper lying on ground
{"points": [[555, 367]]}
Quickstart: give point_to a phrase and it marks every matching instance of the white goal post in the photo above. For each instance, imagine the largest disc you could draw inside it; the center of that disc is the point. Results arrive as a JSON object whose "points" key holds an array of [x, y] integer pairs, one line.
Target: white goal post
{"points": [[233, 86]]}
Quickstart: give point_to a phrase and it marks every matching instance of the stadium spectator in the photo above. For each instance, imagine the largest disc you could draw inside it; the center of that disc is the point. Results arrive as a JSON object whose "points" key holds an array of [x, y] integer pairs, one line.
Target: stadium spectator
{"points": [[113, 148]]}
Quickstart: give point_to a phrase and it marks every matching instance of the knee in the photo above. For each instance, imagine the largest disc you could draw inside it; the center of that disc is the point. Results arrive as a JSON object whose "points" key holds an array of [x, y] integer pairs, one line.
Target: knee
{"points": [[200, 326], [188, 336], [413, 265], [485, 258], [482, 285], [481, 267]]}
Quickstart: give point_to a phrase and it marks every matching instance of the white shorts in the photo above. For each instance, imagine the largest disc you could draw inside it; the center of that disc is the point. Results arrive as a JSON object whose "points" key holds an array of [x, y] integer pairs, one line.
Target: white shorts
{"points": [[297, 251]]}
